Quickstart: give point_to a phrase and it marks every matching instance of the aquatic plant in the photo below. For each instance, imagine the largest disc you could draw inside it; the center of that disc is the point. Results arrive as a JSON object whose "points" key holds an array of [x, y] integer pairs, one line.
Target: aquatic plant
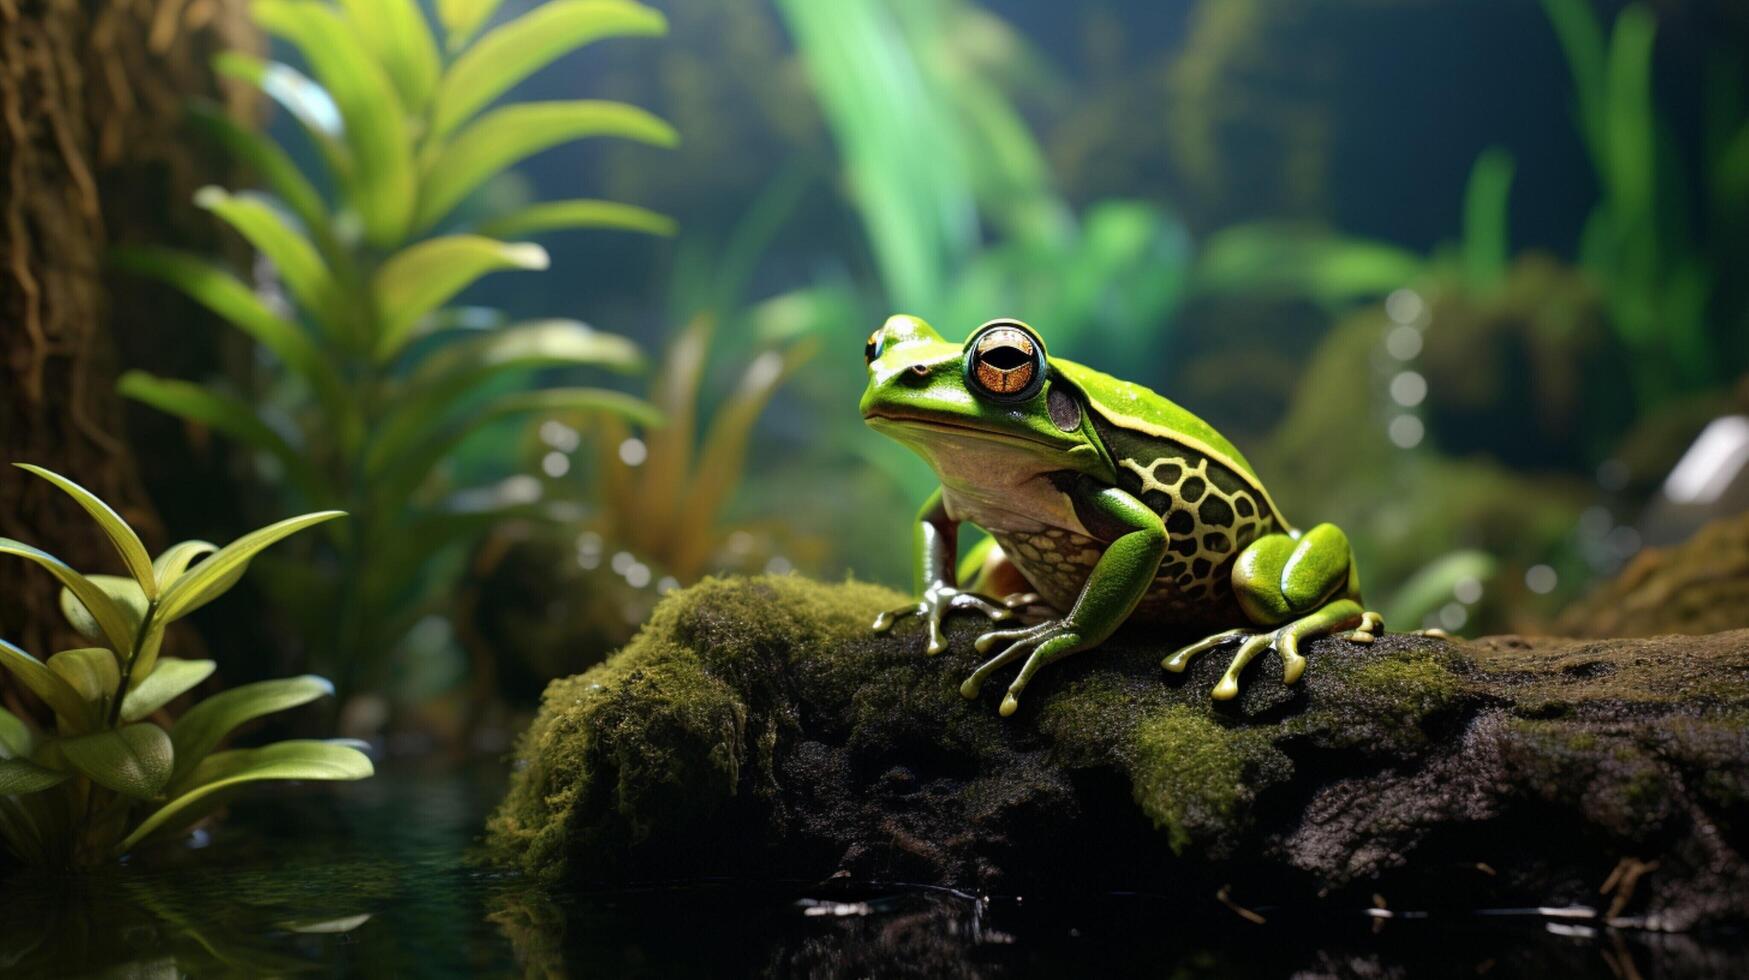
{"points": [[374, 383], [116, 770]]}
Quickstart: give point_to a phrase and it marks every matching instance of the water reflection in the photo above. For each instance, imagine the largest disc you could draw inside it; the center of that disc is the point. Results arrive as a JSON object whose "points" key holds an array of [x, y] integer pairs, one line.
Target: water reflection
{"points": [[375, 880]]}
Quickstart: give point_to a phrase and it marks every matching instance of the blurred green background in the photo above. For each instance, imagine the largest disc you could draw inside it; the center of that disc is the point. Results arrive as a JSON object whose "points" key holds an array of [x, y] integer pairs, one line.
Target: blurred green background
{"points": [[1457, 276]]}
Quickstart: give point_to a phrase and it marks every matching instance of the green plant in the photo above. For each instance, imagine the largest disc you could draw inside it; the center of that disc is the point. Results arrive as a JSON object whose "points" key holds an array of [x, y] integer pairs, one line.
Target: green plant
{"points": [[113, 774], [376, 384], [666, 509], [958, 203]]}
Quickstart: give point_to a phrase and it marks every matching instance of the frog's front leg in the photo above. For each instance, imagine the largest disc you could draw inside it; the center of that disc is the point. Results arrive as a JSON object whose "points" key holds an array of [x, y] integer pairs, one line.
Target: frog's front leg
{"points": [[1118, 581], [1296, 586], [936, 542]]}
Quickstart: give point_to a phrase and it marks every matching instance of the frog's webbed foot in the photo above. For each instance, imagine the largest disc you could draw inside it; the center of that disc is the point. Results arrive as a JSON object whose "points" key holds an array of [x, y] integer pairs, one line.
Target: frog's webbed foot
{"points": [[1041, 644], [937, 602], [1344, 618]]}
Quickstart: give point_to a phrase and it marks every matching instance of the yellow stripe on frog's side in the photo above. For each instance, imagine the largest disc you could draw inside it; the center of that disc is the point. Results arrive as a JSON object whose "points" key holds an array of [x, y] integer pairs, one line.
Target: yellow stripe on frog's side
{"points": [[1111, 397]]}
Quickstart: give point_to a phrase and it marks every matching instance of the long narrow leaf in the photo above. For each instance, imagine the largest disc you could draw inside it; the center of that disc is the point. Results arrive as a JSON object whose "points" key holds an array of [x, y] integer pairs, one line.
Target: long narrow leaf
{"points": [[725, 452], [662, 481], [1486, 242], [300, 264], [578, 213], [505, 136], [446, 378], [175, 560], [272, 164], [225, 414], [43, 682], [514, 51], [383, 182], [300, 97], [396, 33], [209, 579], [109, 616], [421, 278], [122, 590], [462, 18], [127, 543], [283, 760], [203, 726], [222, 292]]}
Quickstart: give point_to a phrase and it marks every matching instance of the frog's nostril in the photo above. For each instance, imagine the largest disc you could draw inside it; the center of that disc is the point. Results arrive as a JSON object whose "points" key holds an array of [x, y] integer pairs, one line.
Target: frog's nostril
{"points": [[918, 370]]}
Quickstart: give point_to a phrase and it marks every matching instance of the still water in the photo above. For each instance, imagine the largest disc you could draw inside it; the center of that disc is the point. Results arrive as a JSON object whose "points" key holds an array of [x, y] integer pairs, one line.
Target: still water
{"points": [[379, 879]]}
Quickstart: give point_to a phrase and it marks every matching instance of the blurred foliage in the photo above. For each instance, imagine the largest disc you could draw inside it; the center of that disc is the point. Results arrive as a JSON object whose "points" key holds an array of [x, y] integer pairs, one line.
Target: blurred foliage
{"points": [[556, 599], [957, 200], [375, 384], [116, 771]]}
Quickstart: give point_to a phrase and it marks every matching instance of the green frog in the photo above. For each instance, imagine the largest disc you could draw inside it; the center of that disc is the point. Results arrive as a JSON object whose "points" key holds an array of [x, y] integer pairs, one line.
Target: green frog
{"points": [[1104, 502]]}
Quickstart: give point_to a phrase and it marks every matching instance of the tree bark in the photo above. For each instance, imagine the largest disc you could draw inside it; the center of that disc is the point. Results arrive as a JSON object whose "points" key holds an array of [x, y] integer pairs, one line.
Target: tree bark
{"points": [[92, 150]]}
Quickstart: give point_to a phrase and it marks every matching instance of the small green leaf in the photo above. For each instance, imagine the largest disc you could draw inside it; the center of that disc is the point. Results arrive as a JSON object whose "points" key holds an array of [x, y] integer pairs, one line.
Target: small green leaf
{"points": [[16, 739], [396, 33], [127, 543], [175, 560], [223, 293], [505, 136], [514, 51], [578, 213], [91, 671], [168, 680], [134, 760], [444, 379], [43, 682], [212, 577], [298, 759], [126, 593], [21, 777], [222, 413], [271, 163], [300, 265], [461, 18], [202, 727], [382, 184], [110, 618], [421, 278]]}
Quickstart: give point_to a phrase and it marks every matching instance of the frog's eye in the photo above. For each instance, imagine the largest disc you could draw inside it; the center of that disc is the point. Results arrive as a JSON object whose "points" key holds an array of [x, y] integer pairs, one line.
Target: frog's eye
{"points": [[877, 342], [1006, 362]]}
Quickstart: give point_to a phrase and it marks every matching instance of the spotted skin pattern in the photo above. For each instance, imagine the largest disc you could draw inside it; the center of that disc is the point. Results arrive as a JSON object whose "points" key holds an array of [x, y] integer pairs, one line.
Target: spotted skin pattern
{"points": [[1211, 513]]}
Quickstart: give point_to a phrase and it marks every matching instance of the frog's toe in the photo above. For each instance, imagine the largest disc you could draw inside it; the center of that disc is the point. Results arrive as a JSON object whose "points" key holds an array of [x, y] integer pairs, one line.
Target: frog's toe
{"points": [[1181, 659], [1227, 688], [888, 619], [969, 600], [1020, 600]]}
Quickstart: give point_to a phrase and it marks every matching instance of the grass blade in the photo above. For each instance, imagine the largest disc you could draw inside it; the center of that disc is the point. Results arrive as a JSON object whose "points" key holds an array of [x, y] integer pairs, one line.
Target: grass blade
{"points": [[419, 279]]}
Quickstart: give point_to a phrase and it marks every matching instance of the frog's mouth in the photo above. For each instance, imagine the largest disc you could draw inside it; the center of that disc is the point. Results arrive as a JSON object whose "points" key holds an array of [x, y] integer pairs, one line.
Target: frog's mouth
{"points": [[969, 431]]}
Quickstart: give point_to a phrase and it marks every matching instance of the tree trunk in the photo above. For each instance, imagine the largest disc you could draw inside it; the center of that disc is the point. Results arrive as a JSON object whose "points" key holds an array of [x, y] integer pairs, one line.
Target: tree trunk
{"points": [[92, 150]]}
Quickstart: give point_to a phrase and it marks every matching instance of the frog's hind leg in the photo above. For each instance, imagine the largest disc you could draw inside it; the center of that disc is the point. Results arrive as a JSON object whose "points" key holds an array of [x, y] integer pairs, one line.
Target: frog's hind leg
{"points": [[1295, 586]]}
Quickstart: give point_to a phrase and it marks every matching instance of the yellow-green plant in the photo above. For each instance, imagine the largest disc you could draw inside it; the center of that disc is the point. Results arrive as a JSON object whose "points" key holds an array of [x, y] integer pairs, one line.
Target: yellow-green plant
{"points": [[376, 384], [116, 770], [665, 505]]}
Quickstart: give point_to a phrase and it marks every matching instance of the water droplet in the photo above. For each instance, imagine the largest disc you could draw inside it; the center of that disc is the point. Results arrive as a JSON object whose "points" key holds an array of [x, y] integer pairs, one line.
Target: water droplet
{"points": [[1408, 388], [1406, 431]]}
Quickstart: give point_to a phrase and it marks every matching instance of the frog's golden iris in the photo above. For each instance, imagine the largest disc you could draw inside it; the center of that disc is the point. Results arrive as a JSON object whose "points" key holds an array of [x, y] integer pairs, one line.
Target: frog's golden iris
{"points": [[1004, 361]]}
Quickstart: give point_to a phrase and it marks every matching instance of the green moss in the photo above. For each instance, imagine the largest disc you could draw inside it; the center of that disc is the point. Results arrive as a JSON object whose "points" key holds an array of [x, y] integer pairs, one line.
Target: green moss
{"points": [[1193, 776], [664, 733]]}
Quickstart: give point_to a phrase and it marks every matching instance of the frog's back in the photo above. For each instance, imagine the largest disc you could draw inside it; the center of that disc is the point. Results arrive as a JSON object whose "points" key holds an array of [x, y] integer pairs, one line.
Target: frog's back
{"points": [[1205, 491]]}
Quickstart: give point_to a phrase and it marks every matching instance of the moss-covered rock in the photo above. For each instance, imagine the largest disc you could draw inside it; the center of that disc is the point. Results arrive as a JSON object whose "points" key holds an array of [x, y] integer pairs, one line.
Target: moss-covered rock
{"points": [[757, 727]]}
